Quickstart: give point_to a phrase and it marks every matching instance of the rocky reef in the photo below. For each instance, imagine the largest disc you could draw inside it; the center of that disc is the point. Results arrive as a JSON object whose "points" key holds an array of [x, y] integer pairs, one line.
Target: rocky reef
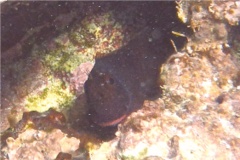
{"points": [[49, 48]]}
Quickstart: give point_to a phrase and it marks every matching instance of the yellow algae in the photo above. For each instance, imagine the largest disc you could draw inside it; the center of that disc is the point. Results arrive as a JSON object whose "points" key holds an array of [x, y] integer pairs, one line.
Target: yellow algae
{"points": [[51, 96], [65, 59]]}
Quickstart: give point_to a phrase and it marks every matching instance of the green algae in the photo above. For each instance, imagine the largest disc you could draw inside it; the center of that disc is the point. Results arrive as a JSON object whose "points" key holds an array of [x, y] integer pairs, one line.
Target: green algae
{"points": [[140, 155], [66, 53], [65, 59], [82, 37], [82, 43], [51, 96]]}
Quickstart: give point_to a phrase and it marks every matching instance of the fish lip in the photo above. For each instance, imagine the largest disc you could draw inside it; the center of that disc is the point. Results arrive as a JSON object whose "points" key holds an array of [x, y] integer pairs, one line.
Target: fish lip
{"points": [[113, 122]]}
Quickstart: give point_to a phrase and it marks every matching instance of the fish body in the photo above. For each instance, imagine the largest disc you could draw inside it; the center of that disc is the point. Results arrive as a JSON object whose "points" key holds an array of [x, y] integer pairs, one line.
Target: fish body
{"points": [[120, 82]]}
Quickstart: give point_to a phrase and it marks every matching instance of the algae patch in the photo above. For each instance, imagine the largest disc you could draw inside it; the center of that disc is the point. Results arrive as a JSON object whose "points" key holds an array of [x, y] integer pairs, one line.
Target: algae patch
{"points": [[66, 59], [140, 154], [54, 95]]}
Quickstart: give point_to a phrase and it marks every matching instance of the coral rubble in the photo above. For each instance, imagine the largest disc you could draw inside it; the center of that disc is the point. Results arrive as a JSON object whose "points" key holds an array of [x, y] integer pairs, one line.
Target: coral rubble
{"points": [[35, 144]]}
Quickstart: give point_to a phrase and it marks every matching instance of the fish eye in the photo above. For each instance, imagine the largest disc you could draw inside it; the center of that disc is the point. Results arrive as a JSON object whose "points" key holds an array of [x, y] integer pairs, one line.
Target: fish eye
{"points": [[110, 81]]}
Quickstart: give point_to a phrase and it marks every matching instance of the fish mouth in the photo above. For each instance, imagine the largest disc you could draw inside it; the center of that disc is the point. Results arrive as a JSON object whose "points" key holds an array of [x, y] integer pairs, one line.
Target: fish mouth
{"points": [[113, 122]]}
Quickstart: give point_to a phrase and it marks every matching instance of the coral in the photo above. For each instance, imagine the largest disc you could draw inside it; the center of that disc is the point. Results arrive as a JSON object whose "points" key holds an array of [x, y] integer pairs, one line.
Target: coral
{"points": [[208, 33], [42, 121], [200, 78], [102, 34], [47, 135], [94, 35], [224, 10], [35, 144], [182, 12], [39, 136], [228, 10]]}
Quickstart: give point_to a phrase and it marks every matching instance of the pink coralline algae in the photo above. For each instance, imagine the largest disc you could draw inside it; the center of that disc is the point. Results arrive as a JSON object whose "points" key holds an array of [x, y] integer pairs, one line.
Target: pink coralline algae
{"points": [[79, 76]]}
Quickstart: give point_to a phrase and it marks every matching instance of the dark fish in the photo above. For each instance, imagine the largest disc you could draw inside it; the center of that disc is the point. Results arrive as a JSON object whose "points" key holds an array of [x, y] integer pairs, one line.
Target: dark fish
{"points": [[120, 82]]}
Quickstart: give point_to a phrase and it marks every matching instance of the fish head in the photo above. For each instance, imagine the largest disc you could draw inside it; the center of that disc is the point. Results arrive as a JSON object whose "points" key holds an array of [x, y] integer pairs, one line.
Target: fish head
{"points": [[107, 98]]}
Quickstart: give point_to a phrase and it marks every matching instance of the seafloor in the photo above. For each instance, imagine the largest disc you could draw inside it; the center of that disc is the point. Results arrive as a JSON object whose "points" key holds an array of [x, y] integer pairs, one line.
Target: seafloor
{"points": [[48, 50]]}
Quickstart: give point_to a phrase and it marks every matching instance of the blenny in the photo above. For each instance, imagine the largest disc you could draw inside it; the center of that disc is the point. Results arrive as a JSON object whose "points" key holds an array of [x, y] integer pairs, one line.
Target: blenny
{"points": [[120, 82]]}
